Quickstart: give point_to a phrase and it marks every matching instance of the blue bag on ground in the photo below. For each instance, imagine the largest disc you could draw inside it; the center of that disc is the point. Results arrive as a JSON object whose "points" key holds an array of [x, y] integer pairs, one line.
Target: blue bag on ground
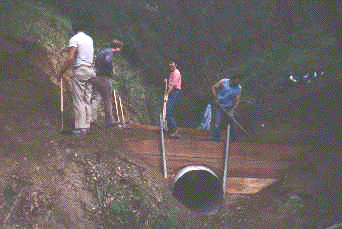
{"points": [[206, 120]]}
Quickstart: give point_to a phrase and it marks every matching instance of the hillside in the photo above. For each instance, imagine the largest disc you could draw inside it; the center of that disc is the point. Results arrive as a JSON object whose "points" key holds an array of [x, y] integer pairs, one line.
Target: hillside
{"points": [[49, 180], [34, 152]]}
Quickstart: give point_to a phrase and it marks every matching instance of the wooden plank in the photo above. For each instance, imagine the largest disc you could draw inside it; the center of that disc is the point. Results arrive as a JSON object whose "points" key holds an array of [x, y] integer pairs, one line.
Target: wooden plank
{"points": [[236, 168], [238, 185], [250, 160], [215, 150], [252, 167]]}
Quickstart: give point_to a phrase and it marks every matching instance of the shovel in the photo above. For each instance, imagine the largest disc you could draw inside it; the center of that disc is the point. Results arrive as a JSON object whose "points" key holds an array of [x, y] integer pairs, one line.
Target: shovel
{"points": [[62, 105], [165, 98], [234, 120]]}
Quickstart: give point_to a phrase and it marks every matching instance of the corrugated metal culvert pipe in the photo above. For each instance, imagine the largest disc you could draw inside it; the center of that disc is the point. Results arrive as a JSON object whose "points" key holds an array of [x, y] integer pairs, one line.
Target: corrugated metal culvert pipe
{"points": [[198, 188]]}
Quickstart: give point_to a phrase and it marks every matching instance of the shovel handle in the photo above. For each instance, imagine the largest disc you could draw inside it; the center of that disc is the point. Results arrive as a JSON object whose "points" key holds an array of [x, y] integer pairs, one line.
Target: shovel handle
{"points": [[62, 96], [62, 105], [234, 120]]}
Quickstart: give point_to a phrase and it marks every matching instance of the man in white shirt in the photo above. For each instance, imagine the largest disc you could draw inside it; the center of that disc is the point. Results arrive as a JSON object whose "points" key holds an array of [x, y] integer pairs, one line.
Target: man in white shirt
{"points": [[80, 57]]}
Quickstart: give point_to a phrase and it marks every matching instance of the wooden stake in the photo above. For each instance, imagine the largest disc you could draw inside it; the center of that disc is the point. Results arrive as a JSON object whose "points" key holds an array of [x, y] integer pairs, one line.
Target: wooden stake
{"points": [[116, 105]]}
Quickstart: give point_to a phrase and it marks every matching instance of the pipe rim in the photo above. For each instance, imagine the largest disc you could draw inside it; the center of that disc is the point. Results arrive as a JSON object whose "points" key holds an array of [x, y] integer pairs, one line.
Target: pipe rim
{"points": [[189, 168]]}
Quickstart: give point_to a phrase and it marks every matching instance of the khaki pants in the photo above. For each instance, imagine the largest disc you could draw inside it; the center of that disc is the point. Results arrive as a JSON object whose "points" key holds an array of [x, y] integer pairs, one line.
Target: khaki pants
{"points": [[81, 96]]}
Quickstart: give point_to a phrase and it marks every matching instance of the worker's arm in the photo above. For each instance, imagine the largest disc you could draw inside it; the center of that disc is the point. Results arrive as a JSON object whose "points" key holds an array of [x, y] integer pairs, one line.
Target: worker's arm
{"points": [[63, 50], [237, 101], [214, 90], [70, 59]]}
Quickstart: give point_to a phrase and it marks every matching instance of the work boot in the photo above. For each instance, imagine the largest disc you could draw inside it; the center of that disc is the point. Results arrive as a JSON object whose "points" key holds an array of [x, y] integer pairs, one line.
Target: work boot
{"points": [[96, 124], [111, 125], [80, 132], [174, 133]]}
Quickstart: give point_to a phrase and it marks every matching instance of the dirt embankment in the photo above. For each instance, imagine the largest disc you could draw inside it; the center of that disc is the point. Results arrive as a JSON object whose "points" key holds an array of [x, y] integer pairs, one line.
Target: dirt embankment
{"points": [[49, 180], [53, 181]]}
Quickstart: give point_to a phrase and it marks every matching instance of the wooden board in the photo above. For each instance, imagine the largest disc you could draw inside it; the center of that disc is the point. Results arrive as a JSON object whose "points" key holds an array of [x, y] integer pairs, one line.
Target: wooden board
{"points": [[252, 167]]}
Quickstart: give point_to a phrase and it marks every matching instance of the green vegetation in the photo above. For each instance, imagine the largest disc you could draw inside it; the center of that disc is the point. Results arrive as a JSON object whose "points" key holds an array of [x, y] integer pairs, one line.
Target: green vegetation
{"points": [[264, 40], [124, 200], [266, 66], [260, 41], [34, 22]]}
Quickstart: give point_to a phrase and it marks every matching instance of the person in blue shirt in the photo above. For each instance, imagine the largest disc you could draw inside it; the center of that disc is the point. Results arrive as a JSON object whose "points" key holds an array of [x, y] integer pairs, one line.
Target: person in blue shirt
{"points": [[226, 94], [103, 81]]}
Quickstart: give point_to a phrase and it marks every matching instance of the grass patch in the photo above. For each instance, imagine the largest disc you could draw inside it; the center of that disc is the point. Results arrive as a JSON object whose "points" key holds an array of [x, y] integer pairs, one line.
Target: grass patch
{"points": [[34, 21], [142, 98], [122, 197]]}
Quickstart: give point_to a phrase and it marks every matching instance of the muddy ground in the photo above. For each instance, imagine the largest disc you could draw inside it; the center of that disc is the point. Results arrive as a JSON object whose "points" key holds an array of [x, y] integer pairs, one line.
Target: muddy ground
{"points": [[50, 180]]}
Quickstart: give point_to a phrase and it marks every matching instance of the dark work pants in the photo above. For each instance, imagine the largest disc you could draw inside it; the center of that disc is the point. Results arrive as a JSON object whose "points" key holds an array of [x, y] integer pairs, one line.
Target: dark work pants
{"points": [[103, 89], [219, 116]]}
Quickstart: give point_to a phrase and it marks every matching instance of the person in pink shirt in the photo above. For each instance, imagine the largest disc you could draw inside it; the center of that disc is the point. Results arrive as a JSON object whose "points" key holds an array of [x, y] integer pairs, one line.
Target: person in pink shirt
{"points": [[174, 95]]}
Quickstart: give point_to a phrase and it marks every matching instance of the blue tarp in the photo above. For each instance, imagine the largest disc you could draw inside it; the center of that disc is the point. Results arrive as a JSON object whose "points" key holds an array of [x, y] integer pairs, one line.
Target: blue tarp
{"points": [[206, 120]]}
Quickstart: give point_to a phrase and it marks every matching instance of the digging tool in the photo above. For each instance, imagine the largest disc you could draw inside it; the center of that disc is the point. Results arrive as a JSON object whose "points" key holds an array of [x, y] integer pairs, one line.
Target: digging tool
{"points": [[226, 158], [163, 145], [121, 108], [234, 120], [116, 105], [165, 98], [62, 105]]}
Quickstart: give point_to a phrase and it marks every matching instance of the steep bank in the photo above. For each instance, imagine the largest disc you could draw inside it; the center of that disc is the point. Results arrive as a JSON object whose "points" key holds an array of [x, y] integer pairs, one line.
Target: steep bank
{"points": [[43, 179]]}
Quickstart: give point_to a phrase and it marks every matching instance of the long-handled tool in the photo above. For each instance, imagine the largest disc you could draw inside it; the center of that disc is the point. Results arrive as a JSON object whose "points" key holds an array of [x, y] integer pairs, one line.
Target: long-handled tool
{"points": [[62, 105], [116, 105], [239, 125], [165, 98], [234, 120], [226, 158], [117, 99], [121, 108], [163, 145]]}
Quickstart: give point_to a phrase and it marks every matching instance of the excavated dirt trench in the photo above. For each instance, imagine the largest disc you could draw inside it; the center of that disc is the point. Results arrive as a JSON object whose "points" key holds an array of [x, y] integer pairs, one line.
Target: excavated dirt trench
{"points": [[37, 156], [252, 167]]}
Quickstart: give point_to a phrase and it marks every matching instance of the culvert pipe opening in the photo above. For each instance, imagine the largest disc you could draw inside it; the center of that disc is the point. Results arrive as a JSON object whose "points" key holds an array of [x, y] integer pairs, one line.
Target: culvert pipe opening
{"points": [[198, 188]]}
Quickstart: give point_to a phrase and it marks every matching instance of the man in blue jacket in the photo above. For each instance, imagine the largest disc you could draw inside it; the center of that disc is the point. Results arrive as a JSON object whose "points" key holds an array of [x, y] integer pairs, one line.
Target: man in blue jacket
{"points": [[226, 94], [103, 81]]}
